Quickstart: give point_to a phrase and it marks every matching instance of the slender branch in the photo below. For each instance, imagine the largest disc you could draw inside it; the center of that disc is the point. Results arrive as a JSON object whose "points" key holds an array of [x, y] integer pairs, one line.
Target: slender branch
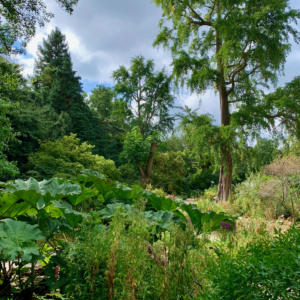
{"points": [[233, 81], [212, 8], [201, 21]]}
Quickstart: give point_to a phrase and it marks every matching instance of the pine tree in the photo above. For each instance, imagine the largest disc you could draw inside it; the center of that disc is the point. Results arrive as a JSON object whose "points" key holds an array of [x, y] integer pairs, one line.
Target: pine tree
{"points": [[55, 77], [59, 86]]}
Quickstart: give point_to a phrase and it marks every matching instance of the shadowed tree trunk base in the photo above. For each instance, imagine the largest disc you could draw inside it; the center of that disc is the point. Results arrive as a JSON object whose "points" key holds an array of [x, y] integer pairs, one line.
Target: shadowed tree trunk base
{"points": [[146, 174]]}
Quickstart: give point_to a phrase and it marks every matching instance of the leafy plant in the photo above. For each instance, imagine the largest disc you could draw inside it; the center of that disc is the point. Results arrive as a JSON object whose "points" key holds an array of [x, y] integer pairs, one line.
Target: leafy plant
{"points": [[17, 248], [67, 157]]}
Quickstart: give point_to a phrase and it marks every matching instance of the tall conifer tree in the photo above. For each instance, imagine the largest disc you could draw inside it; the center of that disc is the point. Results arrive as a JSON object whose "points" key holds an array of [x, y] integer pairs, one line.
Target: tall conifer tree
{"points": [[55, 77], [60, 87]]}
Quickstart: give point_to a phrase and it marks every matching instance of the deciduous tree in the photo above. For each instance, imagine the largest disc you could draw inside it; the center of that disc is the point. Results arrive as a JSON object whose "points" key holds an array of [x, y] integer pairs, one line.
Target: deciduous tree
{"points": [[148, 96]]}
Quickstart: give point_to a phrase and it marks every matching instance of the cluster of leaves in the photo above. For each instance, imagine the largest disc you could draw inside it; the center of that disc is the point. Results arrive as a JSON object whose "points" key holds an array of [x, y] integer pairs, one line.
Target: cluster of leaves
{"points": [[7, 169], [170, 181]]}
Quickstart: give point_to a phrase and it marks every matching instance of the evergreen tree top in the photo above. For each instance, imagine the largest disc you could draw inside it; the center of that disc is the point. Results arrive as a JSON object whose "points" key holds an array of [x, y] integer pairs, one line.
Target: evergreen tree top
{"points": [[54, 52]]}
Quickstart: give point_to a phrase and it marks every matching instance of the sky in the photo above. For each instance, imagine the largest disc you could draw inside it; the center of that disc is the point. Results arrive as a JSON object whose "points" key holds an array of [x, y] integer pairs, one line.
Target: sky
{"points": [[104, 34]]}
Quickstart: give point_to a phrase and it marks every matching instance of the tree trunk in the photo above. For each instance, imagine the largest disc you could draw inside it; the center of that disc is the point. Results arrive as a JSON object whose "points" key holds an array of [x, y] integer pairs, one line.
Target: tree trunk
{"points": [[144, 179], [146, 174], [225, 179]]}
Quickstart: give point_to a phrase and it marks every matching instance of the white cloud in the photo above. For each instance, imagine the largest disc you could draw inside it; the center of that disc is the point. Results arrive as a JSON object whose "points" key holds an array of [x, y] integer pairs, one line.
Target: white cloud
{"points": [[27, 65], [205, 103]]}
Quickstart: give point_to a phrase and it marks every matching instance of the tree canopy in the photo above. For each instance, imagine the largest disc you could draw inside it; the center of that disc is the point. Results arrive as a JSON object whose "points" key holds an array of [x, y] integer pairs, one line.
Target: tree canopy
{"points": [[147, 93]]}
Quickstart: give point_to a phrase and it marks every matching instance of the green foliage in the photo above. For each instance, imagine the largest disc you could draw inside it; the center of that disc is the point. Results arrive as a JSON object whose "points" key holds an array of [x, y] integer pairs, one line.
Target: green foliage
{"points": [[136, 148], [114, 195], [7, 169], [121, 262], [129, 173], [149, 92], [34, 123], [129, 243], [28, 121], [263, 28], [169, 172], [201, 179], [18, 248], [54, 72], [268, 196], [114, 115], [280, 107], [43, 204], [237, 47], [248, 198], [11, 83], [101, 101], [67, 157], [284, 105], [149, 99], [202, 140], [265, 269], [200, 136], [252, 159], [30, 198], [292, 147]]}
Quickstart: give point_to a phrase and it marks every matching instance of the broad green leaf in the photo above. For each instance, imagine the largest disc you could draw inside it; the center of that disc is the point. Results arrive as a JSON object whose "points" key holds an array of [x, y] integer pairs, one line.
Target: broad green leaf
{"points": [[31, 189], [110, 209], [17, 239], [160, 203], [162, 219], [195, 215], [72, 216]]}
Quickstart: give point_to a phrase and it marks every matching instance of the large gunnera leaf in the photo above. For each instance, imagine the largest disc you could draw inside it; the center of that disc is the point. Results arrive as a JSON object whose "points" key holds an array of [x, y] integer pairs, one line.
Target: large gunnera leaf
{"points": [[54, 187], [22, 195], [18, 239]]}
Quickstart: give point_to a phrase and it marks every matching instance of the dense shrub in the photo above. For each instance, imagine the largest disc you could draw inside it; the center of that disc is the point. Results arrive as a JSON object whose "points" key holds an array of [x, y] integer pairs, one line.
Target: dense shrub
{"points": [[129, 174], [268, 196], [248, 200], [67, 157], [202, 179]]}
